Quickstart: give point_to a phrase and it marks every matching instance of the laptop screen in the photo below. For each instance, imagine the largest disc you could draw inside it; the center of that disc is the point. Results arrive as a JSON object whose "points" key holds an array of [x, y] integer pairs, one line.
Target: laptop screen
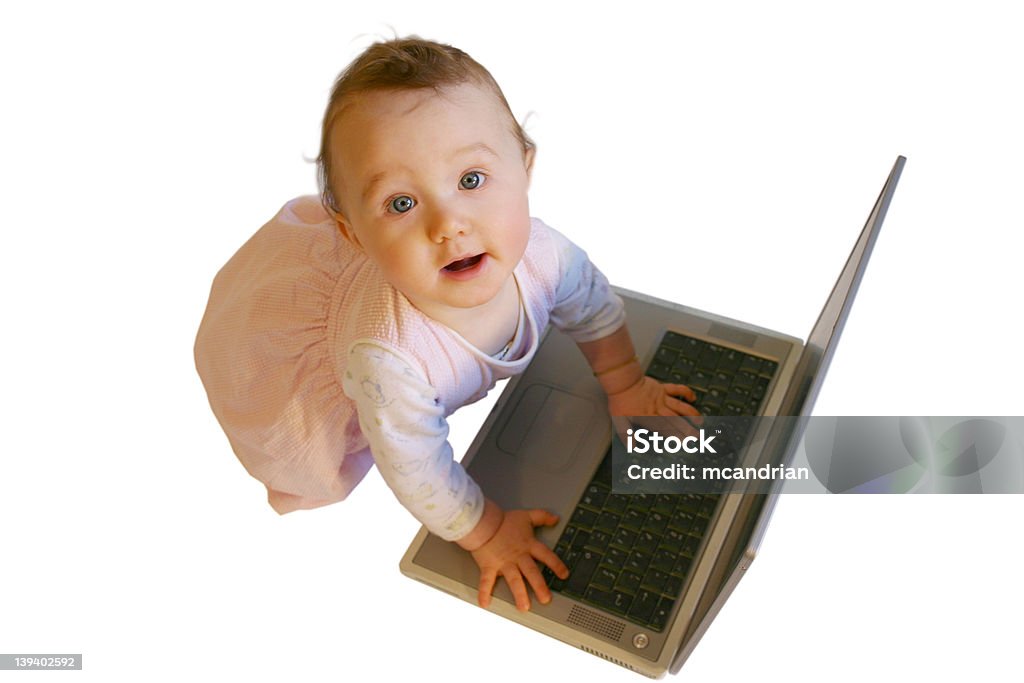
{"points": [[821, 344]]}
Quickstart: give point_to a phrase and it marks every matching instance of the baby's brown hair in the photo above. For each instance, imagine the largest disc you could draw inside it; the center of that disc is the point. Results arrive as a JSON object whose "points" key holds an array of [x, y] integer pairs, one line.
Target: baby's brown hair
{"points": [[402, 64]]}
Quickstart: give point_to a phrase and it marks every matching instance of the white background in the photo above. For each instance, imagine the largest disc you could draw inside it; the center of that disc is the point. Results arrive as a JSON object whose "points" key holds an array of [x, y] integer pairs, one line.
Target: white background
{"points": [[686, 146]]}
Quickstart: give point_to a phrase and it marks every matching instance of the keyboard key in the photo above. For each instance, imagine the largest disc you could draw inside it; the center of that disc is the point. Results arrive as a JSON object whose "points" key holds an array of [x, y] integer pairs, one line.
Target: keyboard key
{"points": [[610, 600], [691, 348], [553, 582], [682, 566], [666, 355], [608, 522], [616, 503], [708, 359], [604, 578], [654, 580], [598, 541], [733, 408], [683, 366], [594, 497], [633, 519], [673, 539], [730, 361], [621, 601], [740, 394], [675, 341], [690, 502], [709, 408], [643, 605], [656, 523], [628, 582], [660, 617], [584, 518], [699, 381], [646, 542], [664, 560], [615, 557], [562, 550], [580, 539], [572, 558], [682, 521], [745, 379], [664, 504], [624, 538], [641, 501], [579, 576], [638, 562], [660, 371], [673, 585], [715, 395], [751, 364]]}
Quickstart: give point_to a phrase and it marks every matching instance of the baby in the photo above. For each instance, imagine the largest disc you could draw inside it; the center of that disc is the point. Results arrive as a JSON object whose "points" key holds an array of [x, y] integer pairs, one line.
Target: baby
{"points": [[346, 330]]}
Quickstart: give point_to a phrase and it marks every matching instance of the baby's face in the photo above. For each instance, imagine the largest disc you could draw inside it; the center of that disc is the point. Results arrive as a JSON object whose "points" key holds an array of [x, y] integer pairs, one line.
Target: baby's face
{"points": [[433, 188]]}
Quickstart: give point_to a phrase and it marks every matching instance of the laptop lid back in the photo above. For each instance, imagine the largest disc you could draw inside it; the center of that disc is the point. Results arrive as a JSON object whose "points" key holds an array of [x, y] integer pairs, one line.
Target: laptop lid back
{"points": [[798, 401]]}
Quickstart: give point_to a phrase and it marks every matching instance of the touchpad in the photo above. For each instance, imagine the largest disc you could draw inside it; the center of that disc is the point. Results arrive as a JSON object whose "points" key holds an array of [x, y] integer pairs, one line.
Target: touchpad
{"points": [[546, 427]]}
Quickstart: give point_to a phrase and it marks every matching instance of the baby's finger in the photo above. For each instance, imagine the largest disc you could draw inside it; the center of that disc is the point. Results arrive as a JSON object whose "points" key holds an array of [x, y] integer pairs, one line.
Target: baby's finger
{"points": [[548, 557], [681, 407], [681, 390], [540, 517], [540, 587], [517, 586], [488, 577]]}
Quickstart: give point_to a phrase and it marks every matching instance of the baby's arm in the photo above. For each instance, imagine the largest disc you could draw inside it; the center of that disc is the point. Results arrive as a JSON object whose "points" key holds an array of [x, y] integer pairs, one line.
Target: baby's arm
{"points": [[592, 314], [401, 416], [629, 391]]}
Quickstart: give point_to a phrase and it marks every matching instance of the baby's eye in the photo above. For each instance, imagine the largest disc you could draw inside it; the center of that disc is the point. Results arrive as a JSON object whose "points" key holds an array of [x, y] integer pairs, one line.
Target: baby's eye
{"points": [[471, 180], [401, 204]]}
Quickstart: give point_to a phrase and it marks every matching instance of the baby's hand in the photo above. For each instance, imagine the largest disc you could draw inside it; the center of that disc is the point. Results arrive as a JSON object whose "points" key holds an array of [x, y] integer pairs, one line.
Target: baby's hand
{"points": [[511, 553], [650, 397]]}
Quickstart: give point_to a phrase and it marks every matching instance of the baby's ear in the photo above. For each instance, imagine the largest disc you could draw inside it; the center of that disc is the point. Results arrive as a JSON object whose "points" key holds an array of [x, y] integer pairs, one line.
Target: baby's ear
{"points": [[528, 157], [346, 229]]}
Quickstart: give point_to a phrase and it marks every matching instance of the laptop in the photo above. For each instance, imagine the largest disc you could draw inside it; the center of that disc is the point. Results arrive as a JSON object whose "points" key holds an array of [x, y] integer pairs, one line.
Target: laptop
{"points": [[648, 572]]}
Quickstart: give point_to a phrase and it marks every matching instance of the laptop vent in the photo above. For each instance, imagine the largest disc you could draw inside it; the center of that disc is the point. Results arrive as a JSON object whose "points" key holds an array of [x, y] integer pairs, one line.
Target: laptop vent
{"points": [[614, 661], [592, 621]]}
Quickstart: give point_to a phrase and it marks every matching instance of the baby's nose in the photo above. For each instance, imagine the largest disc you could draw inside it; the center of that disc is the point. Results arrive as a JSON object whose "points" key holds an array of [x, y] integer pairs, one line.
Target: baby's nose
{"points": [[447, 225]]}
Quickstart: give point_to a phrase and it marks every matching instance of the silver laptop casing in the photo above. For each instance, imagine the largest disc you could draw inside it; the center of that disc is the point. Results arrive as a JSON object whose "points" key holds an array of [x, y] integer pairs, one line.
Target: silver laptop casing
{"points": [[512, 460]]}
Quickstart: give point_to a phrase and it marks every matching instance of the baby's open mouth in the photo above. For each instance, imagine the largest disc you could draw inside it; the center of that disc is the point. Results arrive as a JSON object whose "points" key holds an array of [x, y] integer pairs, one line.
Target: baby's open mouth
{"points": [[463, 263]]}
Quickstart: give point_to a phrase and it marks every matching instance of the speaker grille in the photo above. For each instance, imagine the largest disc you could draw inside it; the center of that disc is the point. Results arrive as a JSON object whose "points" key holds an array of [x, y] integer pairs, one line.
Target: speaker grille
{"points": [[597, 623]]}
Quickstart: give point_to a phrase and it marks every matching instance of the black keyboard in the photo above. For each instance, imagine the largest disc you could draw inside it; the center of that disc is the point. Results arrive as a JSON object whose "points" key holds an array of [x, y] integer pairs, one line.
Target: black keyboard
{"points": [[726, 381], [631, 554]]}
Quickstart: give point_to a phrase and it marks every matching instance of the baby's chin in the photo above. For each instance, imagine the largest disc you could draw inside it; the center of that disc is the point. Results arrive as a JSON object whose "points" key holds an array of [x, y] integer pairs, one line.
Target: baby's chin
{"points": [[478, 285]]}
